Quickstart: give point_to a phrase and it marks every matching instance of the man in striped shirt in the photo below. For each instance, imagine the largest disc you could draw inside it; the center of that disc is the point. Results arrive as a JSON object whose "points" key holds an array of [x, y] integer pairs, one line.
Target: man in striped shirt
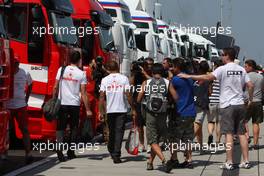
{"points": [[214, 108]]}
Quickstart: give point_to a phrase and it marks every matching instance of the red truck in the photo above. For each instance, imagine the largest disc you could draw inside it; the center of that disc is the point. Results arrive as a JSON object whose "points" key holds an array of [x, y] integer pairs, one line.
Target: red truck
{"points": [[5, 85], [32, 28]]}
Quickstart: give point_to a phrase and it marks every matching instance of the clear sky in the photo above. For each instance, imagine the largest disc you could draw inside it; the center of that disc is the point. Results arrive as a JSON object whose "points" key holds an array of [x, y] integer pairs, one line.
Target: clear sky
{"points": [[246, 17]]}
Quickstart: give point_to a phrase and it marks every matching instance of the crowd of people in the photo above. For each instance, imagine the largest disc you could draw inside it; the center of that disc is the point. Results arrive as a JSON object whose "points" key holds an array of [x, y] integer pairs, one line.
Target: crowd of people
{"points": [[171, 99]]}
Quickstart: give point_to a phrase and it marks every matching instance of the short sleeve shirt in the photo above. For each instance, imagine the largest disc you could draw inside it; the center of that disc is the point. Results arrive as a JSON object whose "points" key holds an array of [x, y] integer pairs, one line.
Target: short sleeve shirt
{"points": [[69, 86], [115, 85], [232, 78], [21, 79], [185, 105]]}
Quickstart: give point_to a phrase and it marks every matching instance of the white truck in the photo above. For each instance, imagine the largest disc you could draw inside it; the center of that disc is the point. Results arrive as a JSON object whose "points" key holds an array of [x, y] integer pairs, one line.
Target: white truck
{"points": [[123, 32], [168, 44], [147, 37]]}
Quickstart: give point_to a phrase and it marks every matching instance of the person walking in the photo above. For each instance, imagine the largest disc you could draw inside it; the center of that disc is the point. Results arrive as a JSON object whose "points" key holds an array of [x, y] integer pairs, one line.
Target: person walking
{"points": [[156, 91], [69, 86], [181, 126], [18, 105], [255, 110], [214, 108], [232, 79], [201, 98], [113, 90]]}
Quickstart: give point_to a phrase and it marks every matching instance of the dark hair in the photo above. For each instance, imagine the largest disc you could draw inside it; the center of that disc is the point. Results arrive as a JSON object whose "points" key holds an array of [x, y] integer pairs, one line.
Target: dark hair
{"points": [[251, 63], [75, 57], [204, 67], [169, 60], [112, 65], [179, 63], [218, 63], [231, 52], [149, 59], [157, 69]]}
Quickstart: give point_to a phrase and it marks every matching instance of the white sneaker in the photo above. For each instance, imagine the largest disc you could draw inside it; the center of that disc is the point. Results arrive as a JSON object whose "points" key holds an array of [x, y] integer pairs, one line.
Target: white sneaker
{"points": [[227, 166], [148, 149], [141, 148], [245, 165]]}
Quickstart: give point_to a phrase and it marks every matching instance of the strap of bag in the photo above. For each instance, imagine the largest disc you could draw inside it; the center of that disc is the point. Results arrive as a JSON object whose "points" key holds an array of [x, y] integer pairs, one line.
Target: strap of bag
{"points": [[60, 81]]}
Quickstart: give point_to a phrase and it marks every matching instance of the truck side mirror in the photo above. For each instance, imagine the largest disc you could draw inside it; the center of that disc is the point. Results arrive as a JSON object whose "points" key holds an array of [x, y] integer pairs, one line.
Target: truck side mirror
{"points": [[118, 37], [110, 45], [149, 42], [183, 51], [37, 12], [208, 55]]}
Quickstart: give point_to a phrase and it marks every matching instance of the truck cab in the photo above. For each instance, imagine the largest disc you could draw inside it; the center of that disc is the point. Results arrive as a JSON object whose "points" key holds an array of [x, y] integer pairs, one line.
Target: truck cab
{"points": [[123, 32], [203, 48], [167, 43], [41, 34], [6, 84], [147, 37], [90, 15]]}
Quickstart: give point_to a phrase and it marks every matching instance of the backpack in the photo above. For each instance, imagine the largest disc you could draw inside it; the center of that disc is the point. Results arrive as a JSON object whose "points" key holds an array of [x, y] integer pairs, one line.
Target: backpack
{"points": [[156, 99]]}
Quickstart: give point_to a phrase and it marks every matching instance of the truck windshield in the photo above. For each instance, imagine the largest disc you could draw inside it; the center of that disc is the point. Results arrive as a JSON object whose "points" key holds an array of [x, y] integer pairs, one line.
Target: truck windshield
{"points": [[126, 16], [106, 37], [63, 29], [141, 41], [2, 29], [200, 51], [141, 25], [111, 12]]}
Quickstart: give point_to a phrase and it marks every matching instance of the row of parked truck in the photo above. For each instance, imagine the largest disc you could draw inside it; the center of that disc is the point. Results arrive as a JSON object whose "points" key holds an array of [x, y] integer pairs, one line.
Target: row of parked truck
{"points": [[125, 34]]}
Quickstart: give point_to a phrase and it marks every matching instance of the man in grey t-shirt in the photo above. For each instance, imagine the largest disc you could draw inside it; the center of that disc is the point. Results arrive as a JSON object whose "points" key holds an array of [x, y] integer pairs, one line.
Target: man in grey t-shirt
{"points": [[255, 110]]}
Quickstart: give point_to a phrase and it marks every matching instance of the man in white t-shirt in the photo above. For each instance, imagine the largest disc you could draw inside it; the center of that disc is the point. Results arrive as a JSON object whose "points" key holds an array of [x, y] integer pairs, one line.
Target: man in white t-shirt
{"points": [[68, 87], [115, 89], [18, 105], [233, 78]]}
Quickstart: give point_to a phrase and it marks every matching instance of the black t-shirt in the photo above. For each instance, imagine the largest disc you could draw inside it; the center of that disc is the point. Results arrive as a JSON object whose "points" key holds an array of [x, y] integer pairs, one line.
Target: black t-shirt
{"points": [[201, 94]]}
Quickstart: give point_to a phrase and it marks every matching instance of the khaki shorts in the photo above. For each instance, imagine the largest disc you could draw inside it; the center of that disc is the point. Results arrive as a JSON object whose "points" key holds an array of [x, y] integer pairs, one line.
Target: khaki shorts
{"points": [[201, 114], [156, 127], [214, 110], [233, 119]]}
